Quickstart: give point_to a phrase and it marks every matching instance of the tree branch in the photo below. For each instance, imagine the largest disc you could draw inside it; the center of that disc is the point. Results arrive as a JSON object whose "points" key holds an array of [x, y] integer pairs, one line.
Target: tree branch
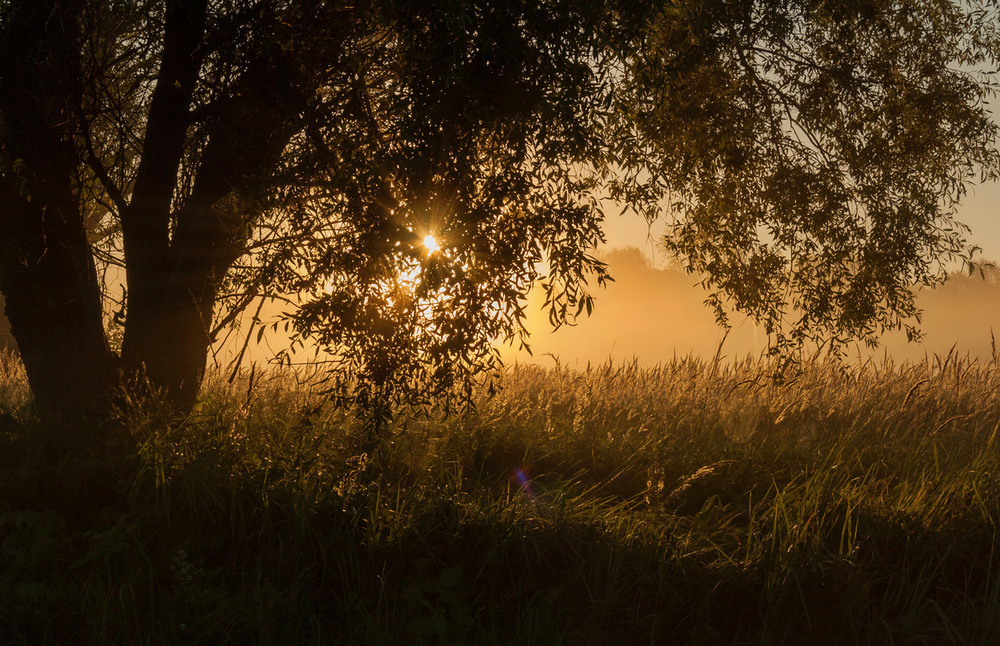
{"points": [[145, 224], [112, 189]]}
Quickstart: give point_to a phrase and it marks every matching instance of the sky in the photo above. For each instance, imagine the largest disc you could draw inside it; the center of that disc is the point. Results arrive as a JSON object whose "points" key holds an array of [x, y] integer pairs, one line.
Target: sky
{"points": [[651, 314], [980, 210]]}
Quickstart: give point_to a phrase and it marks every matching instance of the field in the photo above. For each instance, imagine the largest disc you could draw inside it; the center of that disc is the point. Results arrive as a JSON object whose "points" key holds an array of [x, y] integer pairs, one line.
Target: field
{"points": [[693, 503]]}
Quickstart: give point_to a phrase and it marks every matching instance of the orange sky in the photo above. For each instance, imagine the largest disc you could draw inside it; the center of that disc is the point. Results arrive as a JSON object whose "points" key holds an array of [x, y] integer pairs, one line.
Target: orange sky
{"points": [[980, 210], [650, 313]]}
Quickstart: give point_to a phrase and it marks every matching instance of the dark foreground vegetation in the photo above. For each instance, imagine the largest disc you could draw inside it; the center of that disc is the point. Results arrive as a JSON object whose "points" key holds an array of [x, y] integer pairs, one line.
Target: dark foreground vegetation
{"points": [[687, 504]]}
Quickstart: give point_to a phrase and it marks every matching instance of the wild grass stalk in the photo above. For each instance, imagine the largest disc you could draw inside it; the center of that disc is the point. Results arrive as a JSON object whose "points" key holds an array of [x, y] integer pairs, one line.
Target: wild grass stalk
{"points": [[692, 502]]}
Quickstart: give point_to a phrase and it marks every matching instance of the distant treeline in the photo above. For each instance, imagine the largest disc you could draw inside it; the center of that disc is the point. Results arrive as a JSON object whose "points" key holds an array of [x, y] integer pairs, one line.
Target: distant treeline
{"points": [[654, 313]]}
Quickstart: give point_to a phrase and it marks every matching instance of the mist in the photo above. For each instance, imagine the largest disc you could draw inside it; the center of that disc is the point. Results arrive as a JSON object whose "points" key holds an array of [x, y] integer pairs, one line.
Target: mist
{"points": [[652, 314]]}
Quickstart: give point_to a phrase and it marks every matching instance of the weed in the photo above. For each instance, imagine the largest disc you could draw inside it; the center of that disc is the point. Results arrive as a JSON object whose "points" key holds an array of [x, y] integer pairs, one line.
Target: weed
{"points": [[695, 502]]}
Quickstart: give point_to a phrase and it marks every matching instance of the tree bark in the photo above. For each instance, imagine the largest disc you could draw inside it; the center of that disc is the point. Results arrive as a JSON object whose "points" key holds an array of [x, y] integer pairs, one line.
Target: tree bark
{"points": [[177, 247], [166, 342], [47, 274], [173, 279], [53, 302]]}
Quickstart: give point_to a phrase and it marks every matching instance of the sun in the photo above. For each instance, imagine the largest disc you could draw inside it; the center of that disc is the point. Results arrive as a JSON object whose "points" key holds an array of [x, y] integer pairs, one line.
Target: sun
{"points": [[431, 244]]}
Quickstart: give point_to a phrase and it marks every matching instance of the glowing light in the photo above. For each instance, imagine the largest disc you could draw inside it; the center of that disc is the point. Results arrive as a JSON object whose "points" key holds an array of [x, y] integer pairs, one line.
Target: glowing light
{"points": [[431, 244], [521, 477], [410, 276]]}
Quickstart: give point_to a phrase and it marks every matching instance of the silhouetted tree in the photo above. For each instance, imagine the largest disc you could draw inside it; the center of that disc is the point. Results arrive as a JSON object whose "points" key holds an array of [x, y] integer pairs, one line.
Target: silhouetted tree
{"points": [[810, 153], [814, 152]]}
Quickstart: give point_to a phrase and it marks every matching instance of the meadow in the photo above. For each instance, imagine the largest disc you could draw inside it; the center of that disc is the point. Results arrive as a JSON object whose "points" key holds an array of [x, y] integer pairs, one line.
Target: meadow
{"points": [[695, 502]]}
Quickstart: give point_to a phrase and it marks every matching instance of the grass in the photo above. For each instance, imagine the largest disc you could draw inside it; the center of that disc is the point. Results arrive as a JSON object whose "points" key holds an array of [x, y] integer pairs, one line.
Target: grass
{"points": [[693, 503]]}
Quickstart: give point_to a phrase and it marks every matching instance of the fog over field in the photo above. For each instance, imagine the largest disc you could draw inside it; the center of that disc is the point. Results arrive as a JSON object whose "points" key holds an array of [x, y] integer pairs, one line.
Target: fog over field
{"points": [[651, 313]]}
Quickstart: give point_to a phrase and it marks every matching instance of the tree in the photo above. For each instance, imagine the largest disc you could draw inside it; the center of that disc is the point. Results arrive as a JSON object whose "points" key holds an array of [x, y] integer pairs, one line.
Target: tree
{"points": [[153, 120], [823, 151], [810, 152]]}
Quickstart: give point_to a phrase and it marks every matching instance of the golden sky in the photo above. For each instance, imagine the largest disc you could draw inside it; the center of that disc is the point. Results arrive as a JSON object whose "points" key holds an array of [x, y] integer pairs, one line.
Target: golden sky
{"points": [[651, 313]]}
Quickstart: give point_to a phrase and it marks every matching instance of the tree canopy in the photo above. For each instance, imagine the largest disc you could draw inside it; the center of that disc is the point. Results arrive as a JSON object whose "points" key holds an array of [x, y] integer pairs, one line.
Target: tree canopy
{"points": [[815, 152], [808, 154]]}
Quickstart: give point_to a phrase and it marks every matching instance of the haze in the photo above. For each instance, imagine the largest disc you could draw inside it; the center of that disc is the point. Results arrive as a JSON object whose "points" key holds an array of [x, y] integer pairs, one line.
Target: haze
{"points": [[652, 314]]}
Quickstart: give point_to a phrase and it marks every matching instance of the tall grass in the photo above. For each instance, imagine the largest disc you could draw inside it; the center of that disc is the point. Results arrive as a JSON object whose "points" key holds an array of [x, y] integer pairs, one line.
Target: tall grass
{"points": [[695, 502]]}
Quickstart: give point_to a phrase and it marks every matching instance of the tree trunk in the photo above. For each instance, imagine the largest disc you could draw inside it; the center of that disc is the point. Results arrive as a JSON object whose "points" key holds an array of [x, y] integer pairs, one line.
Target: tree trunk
{"points": [[53, 303], [177, 247], [174, 277], [166, 342], [53, 298]]}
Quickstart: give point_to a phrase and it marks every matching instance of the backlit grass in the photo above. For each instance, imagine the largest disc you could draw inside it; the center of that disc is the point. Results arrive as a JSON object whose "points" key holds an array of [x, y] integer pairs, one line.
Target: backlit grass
{"points": [[692, 503]]}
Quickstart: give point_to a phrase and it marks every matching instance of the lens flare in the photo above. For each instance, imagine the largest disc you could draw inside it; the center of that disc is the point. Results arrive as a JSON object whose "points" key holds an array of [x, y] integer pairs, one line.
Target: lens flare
{"points": [[431, 244], [523, 480]]}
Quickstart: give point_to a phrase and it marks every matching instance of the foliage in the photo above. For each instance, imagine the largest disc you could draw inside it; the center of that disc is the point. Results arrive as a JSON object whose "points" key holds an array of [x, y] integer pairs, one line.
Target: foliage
{"points": [[809, 156], [694, 502], [476, 123], [814, 153]]}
